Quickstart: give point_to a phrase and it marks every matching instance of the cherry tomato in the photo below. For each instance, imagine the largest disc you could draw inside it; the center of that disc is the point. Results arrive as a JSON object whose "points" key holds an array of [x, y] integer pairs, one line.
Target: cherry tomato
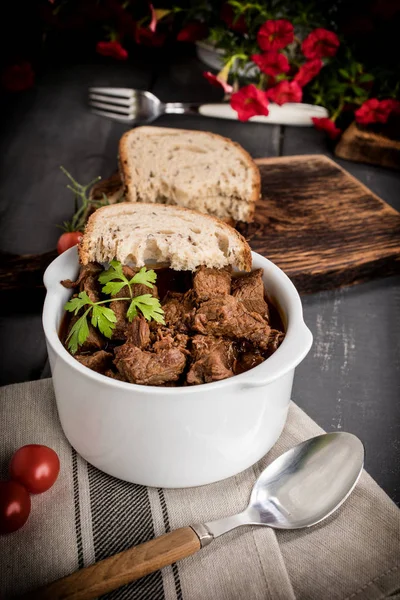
{"points": [[15, 506], [35, 467], [67, 240]]}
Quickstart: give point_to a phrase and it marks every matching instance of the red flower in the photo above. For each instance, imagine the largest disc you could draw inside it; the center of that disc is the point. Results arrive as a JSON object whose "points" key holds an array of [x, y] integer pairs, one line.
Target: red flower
{"points": [[376, 111], [392, 105], [308, 71], [274, 35], [113, 49], [235, 23], [320, 43], [17, 78], [147, 38], [249, 101], [271, 63], [285, 91], [192, 32], [327, 125], [218, 82]]}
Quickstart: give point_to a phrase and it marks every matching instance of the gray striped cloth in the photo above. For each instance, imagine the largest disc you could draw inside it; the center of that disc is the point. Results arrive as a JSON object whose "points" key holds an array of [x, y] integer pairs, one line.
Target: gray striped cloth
{"points": [[88, 516]]}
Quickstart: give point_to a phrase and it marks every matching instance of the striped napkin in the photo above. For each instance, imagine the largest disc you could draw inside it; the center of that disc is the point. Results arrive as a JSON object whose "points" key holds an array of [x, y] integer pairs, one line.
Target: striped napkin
{"points": [[89, 515]]}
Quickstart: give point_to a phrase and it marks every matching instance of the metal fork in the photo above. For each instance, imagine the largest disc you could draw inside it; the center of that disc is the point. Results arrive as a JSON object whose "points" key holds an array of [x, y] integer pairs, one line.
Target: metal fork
{"points": [[133, 106], [137, 106]]}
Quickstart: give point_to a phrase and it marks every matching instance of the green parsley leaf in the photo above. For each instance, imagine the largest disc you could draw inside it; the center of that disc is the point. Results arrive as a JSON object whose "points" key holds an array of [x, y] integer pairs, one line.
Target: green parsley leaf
{"points": [[79, 333], [113, 272], [104, 319], [112, 288], [114, 279], [75, 304], [145, 277], [149, 306]]}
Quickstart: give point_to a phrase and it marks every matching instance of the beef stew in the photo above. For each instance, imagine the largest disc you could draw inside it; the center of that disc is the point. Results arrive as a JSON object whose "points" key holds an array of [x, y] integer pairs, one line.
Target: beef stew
{"points": [[217, 324]]}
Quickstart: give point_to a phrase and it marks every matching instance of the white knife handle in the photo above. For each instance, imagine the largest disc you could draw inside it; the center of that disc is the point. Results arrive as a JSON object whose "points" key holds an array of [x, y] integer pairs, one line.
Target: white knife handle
{"points": [[291, 113]]}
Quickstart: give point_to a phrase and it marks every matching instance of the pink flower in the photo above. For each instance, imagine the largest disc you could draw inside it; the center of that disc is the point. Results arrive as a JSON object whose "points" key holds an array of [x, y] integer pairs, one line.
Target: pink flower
{"points": [[153, 22], [327, 125], [193, 31], [272, 62], [113, 49], [17, 78], [320, 43], [275, 34], [285, 91], [308, 71], [218, 82], [249, 101], [376, 111]]}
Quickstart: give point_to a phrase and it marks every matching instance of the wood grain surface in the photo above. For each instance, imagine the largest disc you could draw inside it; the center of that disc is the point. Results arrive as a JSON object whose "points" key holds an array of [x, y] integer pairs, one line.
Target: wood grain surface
{"points": [[369, 147], [322, 226], [317, 222], [122, 568]]}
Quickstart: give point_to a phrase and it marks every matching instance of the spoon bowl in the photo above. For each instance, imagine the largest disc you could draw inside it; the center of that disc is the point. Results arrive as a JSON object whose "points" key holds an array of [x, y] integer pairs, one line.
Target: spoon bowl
{"points": [[309, 482]]}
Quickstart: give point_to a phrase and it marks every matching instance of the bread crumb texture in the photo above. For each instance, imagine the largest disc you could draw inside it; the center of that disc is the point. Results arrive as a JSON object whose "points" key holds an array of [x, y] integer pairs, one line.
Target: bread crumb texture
{"points": [[198, 170], [137, 234]]}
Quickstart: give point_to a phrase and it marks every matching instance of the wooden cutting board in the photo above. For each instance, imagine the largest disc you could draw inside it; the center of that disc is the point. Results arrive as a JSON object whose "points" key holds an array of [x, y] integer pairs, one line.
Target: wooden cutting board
{"points": [[322, 226], [317, 222]]}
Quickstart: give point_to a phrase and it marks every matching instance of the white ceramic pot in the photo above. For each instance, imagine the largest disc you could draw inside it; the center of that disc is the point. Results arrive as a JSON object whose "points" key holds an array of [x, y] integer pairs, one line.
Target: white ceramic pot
{"points": [[174, 437]]}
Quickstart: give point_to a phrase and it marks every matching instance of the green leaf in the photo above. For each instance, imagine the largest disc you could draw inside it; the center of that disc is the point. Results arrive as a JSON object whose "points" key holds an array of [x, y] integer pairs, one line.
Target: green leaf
{"points": [[149, 306], [366, 77], [132, 312], [114, 279], [104, 319], [344, 73], [145, 277], [359, 91], [75, 304], [113, 272], [112, 288], [78, 334]]}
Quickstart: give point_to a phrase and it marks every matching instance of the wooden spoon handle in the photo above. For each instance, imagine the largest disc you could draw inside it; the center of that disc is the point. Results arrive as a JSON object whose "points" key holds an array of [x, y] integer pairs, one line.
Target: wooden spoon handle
{"points": [[117, 570]]}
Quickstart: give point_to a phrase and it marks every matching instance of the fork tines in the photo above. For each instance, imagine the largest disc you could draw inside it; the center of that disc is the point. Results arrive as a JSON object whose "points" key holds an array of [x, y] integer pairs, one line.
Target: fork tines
{"points": [[115, 103]]}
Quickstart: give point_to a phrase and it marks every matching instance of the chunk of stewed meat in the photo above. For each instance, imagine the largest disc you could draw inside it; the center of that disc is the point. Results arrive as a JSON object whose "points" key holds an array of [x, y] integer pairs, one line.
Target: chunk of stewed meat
{"points": [[227, 317], [99, 361], [249, 289], [208, 283], [213, 359], [164, 338], [179, 310], [275, 340], [149, 368], [138, 332]]}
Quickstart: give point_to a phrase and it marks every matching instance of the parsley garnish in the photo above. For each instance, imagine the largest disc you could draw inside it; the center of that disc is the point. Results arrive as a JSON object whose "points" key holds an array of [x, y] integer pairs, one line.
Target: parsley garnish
{"points": [[104, 318], [149, 306], [115, 279]]}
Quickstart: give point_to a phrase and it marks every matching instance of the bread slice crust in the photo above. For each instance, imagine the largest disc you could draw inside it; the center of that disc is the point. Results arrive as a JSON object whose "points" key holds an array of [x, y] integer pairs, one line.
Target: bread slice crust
{"points": [[128, 178]]}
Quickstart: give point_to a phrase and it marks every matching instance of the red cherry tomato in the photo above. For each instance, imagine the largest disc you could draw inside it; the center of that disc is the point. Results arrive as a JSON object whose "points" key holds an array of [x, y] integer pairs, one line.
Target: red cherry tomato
{"points": [[15, 506], [35, 467], [67, 240]]}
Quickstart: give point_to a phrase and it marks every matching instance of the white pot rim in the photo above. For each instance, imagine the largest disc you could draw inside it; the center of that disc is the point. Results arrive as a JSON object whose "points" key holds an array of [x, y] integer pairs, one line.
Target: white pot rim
{"points": [[294, 348]]}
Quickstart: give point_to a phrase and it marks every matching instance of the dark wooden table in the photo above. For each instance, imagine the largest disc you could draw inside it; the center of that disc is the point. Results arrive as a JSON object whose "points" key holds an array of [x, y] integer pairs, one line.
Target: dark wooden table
{"points": [[351, 378]]}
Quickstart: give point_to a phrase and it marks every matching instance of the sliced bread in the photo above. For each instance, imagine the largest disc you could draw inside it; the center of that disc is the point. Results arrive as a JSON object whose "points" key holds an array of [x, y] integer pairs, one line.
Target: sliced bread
{"points": [[138, 233], [195, 169]]}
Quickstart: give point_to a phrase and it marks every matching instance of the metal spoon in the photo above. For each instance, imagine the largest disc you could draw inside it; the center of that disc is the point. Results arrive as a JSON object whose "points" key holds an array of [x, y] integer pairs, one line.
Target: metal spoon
{"points": [[299, 489]]}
